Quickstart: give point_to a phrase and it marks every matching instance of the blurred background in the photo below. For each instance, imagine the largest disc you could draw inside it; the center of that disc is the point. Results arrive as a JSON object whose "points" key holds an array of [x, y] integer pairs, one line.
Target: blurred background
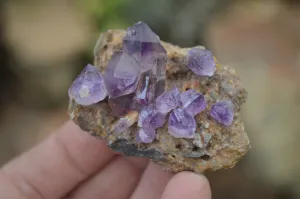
{"points": [[45, 43]]}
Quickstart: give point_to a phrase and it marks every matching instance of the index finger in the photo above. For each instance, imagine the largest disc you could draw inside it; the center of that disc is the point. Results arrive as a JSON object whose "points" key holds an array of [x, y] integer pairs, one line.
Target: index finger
{"points": [[56, 166]]}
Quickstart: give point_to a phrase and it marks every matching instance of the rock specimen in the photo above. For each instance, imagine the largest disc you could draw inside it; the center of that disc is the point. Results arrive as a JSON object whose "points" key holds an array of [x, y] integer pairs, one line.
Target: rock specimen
{"points": [[177, 106]]}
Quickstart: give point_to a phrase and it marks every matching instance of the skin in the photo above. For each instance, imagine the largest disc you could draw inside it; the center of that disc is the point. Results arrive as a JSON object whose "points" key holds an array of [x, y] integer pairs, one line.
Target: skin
{"points": [[71, 164]]}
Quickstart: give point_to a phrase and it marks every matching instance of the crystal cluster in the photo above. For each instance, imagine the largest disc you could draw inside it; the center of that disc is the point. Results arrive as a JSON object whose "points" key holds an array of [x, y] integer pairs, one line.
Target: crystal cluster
{"points": [[178, 108], [134, 81]]}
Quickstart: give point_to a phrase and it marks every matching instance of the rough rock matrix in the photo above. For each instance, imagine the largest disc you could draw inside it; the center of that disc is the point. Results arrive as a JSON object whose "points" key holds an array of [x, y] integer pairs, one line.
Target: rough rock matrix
{"points": [[212, 146]]}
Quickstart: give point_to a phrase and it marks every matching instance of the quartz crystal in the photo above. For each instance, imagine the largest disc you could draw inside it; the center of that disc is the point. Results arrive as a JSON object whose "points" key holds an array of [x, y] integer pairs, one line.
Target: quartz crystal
{"points": [[223, 112], [142, 43], [145, 92], [121, 105], [150, 117], [181, 124], [201, 62], [159, 70], [121, 75], [145, 135], [192, 102], [168, 100], [151, 84], [88, 88]]}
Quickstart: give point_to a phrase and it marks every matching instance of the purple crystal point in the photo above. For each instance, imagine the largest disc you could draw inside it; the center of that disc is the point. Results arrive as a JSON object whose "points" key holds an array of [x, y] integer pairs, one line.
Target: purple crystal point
{"points": [[201, 62], [223, 112], [168, 100], [150, 117], [141, 42], [159, 71], [192, 102], [121, 75], [145, 135], [88, 88], [151, 84], [181, 124], [121, 105]]}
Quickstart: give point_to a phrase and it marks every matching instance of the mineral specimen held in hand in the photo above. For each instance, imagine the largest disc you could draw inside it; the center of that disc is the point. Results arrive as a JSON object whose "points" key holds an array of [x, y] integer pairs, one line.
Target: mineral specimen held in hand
{"points": [[181, 124], [121, 75], [196, 141], [192, 102], [223, 112], [201, 62], [89, 87]]}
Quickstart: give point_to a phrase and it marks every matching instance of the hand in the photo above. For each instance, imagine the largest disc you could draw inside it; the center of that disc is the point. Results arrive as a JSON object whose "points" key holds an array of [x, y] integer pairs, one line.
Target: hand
{"points": [[72, 164]]}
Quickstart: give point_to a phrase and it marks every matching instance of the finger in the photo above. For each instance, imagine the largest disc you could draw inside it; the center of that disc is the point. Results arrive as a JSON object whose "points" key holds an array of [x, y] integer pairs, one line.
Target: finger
{"points": [[187, 185], [139, 163], [117, 180], [152, 183], [53, 168]]}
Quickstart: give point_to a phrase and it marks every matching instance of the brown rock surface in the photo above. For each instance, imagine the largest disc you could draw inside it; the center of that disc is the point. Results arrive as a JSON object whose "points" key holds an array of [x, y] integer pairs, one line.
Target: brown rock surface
{"points": [[215, 147]]}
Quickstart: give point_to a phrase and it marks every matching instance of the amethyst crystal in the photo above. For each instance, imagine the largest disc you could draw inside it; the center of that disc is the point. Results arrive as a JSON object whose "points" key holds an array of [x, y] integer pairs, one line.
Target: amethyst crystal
{"points": [[151, 84], [121, 105], [150, 117], [159, 70], [168, 100], [121, 75], [181, 124], [142, 43], [192, 102], [88, 88], [201, 62], [145, 92], [223, 112], [145, 135]]}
